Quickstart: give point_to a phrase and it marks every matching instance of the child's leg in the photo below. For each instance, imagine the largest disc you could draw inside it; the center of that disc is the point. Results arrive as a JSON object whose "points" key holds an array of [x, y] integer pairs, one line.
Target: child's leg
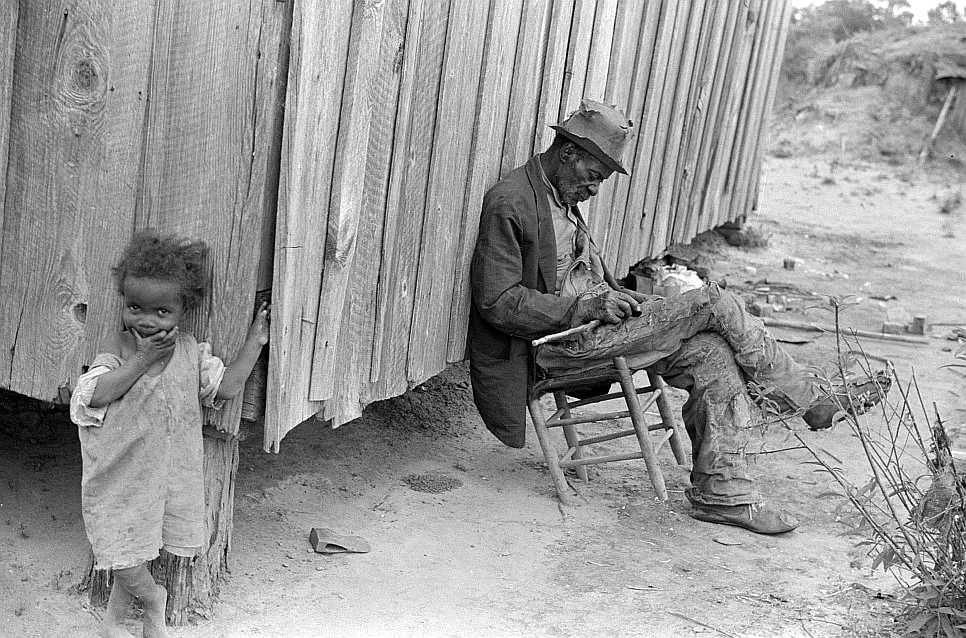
{"points": [[117, 607], [139, 582]]}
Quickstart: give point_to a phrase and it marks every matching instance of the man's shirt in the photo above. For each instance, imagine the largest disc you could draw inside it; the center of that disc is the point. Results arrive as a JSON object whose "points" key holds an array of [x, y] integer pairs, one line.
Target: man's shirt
{"points": [[579, 268]]}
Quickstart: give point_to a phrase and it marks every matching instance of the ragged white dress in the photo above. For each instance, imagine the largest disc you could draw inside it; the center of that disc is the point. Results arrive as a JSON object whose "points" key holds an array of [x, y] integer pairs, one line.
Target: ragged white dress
{"points": [[142, 486]]}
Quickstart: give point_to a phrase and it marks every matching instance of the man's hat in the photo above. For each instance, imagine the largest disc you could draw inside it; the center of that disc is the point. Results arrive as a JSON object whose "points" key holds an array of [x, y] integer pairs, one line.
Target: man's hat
{"points": [[601, 130]]}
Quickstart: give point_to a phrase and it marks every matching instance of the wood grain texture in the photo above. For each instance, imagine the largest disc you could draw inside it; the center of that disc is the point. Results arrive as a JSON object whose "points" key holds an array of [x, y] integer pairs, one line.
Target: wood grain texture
{"points": [[692, 114], [578, 52], [715, 206], [595, 79], [407, 193], [692, 205], [667, 141], [355, 344], [638, 215], [77, 104], [345, 200], [627, 45], [444, 211], [769, 71], [608, 229], [551, 86], [320, 41], [524, 90], [485, 153], [9, 14], [751, 104], [598, 55]]}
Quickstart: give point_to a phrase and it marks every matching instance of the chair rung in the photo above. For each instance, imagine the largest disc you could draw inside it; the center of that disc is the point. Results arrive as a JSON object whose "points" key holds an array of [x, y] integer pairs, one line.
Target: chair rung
{"points": [[587, 418], [591, 460], [608, 397], [555, 421], [606, 437]]}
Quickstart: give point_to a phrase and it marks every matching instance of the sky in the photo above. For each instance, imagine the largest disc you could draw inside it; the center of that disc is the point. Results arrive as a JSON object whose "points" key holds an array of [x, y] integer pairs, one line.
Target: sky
{"points": [[919, 8]]}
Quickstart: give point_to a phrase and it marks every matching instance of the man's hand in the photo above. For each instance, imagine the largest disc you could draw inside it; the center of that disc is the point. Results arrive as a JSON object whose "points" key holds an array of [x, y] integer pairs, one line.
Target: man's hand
{"points": [[612, 306], [149, 350]]}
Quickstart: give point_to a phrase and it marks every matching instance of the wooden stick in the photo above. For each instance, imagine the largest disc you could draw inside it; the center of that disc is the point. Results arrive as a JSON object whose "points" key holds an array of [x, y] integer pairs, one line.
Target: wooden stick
{"points": [[927, 147], [703, 624], [558, 336], [814, 327]]}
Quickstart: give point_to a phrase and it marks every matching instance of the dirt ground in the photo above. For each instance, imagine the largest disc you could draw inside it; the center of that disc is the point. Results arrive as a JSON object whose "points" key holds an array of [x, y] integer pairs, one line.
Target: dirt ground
{"points": [[494, 554]]}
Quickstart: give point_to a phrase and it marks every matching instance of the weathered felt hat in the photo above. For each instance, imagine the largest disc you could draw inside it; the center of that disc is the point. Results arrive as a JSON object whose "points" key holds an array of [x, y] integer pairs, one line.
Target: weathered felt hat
{"points": [[599, 129]]}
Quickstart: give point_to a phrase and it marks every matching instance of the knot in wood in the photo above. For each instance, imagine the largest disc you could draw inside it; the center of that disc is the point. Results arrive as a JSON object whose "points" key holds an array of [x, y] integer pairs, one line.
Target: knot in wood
{"points": [[81, 73]]}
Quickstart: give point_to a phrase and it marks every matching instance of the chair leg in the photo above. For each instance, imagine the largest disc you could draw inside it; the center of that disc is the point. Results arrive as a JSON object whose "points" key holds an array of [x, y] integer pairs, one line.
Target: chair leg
{"points": [[640, 427], [667, 417], [549, 453], [570, 433]]}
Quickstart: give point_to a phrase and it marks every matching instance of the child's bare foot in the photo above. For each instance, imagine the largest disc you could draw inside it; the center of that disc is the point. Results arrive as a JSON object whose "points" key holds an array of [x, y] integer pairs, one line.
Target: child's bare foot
{"points": [[118, 606], [154, 604]]}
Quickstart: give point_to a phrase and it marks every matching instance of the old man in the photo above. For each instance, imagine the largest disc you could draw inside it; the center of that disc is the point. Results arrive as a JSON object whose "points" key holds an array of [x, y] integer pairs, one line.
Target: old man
{"points": [[536, 270]]}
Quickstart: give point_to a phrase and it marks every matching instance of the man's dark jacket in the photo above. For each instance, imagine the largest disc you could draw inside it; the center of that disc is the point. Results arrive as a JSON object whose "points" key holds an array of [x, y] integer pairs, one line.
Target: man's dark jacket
{"points": [[513, 268]]}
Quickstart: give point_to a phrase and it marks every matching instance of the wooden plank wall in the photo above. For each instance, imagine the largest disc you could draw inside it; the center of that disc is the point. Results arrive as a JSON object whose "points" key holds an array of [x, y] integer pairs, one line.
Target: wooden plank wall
{"points": [[386, 156]]}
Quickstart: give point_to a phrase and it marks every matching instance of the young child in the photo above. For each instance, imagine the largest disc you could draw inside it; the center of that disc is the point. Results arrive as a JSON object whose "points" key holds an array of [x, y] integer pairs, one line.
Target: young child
{"points": [[138, 409]]}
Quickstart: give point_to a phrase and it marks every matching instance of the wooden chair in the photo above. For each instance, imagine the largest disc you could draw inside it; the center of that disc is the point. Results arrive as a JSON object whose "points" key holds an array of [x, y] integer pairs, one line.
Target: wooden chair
{"points": [[576, 455]]}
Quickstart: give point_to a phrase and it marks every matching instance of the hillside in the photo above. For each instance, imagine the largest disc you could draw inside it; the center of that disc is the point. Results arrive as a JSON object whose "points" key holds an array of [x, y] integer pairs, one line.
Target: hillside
{"points": [[873, 97]]}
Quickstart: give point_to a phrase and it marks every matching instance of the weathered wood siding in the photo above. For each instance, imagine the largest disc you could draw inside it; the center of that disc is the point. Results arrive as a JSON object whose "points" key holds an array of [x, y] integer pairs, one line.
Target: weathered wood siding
{"points": [[399, 115]]}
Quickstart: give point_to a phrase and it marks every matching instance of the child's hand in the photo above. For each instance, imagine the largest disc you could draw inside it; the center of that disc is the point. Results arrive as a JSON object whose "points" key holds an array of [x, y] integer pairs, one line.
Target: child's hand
{"points": [[258, 332], [156, 347]]}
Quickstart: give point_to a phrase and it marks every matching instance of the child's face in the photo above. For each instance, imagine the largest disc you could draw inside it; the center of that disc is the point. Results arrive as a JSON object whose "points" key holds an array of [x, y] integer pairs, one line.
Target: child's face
{"points": [[151, 305]]}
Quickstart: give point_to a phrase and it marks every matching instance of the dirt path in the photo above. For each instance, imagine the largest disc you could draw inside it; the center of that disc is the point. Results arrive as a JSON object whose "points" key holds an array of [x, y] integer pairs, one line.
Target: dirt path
{"points": [[496, 556]]}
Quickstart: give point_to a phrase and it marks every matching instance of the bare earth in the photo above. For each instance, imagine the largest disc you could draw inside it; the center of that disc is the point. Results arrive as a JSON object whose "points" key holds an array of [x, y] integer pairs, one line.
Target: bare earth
{"points": [[497, 556]]}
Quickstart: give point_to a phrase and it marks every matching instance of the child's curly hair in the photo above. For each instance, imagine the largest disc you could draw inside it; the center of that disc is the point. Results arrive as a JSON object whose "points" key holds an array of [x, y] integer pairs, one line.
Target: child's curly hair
{"points": [[169, 258]]}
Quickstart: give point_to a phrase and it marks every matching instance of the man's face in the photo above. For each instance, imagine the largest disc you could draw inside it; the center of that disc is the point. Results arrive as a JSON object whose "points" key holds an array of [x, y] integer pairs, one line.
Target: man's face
{"points": [[580, 175]]}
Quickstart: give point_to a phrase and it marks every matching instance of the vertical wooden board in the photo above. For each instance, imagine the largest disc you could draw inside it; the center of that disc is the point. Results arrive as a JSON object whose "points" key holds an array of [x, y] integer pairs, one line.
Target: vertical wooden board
{"points": [[485, 153], [525, 88], [409, 177], [595, 81], [558, 36], [320, 39], [769, 71], [601, 43], [661, 177], [77, 101], [578, 52], [444, 212], [748, 100], [608, 229], [701, 69], [650, 147], [714, 202], [358, 321], [399, 161], [719, 80], [626, 44], [8, 42], [769, 104], [712, 167], [345, 200]]}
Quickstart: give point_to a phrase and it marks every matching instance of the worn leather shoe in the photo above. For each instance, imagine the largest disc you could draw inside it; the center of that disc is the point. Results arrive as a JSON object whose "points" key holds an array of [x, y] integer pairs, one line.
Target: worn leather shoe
{"points": [[755, 517], [835, 406]]}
